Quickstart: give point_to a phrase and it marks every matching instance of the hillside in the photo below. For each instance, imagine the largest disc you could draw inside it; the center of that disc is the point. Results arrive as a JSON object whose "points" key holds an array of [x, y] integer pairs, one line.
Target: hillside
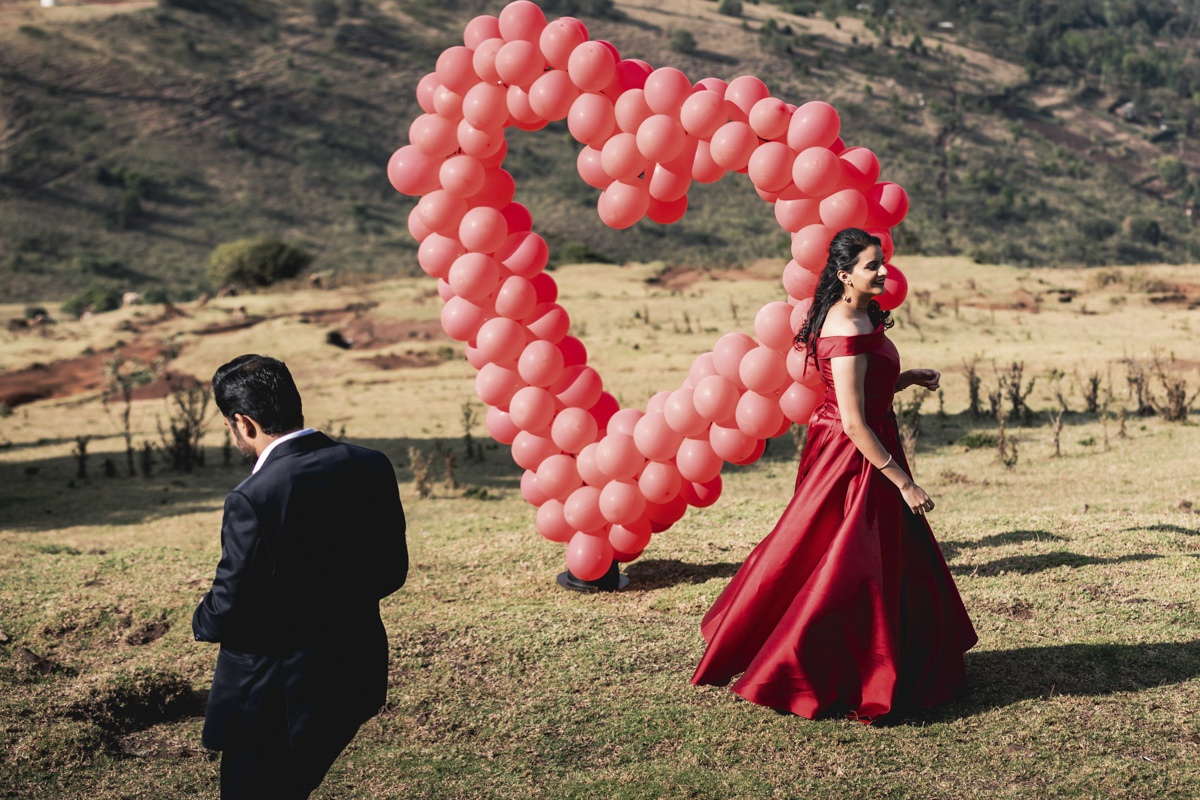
{"points": [[135, 138]]}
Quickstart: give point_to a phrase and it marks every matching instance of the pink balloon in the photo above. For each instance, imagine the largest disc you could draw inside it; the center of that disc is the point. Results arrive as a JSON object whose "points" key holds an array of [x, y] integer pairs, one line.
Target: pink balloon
{"points": [[702, 495], [664, 515], [520, 63], [540, 364], [432, 135], [621, 502], [586, 464], [522, 19], [758, 415], [773, 327], [479, 143], [618, 456], [454, 69], [655, 439], [591, 66], [426, 90], [604, 410], [591, 169], [579, 387], [744, 92], [529, 489], [621, 158], [697, 462], [519, 109], [483, 61], [732, 145], [844, 209], [500, 340], [474, 276], [494, 160], [799, 282], [582, 509], [557, 476], [532, 409], [895, 289], [799, 402], [550, 520], [887, 204], [759, 449], [764, 370], [441, 212], [770, 166], [681, 414], [624, 421], [624, 202], [437, 253], [481, 29], [796, 214], [545, 287], [573, 351], [551, 95], [816, 171], [860, 168], [727, 355], [573, 429], [500, 426], [412, 172], [666, 90], [591, 119], [658, 402], [631, 538], [558, 40], [769, 118], [473, 356], [659, 481], [516, 298], [482, 230], [631, 74], [800, 313], [589, 557], [814, 124], [666, 213], [524, 254], [416, 228], [660, 138], [445, 292], [461, 319], [461, 176], [716, 399], [702, 113], [730, 443], [797, 370], [497, 190], [496, 386], [810, 247], [701, 368], [548, 321], [530, 450], [704, 169], [630, 111]]}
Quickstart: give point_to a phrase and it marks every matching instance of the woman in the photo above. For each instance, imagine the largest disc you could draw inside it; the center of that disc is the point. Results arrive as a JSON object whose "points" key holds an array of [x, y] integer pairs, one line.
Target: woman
{"points": [[847, 605]]}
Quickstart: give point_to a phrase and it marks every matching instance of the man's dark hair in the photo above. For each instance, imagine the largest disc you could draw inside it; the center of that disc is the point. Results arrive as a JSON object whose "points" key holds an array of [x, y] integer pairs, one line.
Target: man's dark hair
{"points": [[261, 388]]}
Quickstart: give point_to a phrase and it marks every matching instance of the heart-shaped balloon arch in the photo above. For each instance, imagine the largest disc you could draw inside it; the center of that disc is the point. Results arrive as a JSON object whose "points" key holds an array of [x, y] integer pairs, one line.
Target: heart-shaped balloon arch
{"points": [[605, 478]]}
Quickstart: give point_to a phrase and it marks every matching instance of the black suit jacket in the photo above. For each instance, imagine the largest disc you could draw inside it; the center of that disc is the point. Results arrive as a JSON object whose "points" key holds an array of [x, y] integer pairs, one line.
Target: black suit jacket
{"points": [[309, 546]]}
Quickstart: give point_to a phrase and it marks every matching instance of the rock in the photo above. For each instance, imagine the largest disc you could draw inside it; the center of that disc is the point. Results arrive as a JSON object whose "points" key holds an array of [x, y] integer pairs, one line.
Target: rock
{"points": [[131, 299], [1184, 505], [3, 637], [33, 661], [1082, 509]]}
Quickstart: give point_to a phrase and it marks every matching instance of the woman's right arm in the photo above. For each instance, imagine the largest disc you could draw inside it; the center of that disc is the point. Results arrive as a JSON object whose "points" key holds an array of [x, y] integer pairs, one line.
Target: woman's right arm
{"points": [[849, 382]]}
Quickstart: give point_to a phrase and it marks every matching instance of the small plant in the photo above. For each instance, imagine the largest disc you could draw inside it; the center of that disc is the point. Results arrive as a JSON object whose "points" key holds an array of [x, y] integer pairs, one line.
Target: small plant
{"points": [[476, 493], [909, 417], [188, 418], [470, 417], [975, 440], [256, 262], [1088, 442], [1056, 379], [1056, 420], [1177, 404], [81, 456], [973, 384], [123, 375], [1091, 393], [449, 462], [730, 8], [1006, 448], [95, 299], [420, 468], [1121, 434], [147, 460], [324, 12], [682, 41], [1010, 382], [941, 412], [1139, 388]]}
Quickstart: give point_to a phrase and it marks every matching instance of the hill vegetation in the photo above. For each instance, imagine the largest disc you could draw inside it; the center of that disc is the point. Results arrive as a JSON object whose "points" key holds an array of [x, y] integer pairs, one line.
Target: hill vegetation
{"points": [[134, 144]]}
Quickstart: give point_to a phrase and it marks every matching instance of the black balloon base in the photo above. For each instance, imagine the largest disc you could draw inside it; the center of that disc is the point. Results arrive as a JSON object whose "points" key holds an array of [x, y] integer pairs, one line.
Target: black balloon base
{"points": [[612, 581]]}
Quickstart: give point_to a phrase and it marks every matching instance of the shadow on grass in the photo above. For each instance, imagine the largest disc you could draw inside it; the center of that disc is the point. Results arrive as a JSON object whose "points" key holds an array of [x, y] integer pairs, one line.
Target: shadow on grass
{"points": [[1164, 528], [1027, 565], [650, 574], [998, 678], [953, 548]]}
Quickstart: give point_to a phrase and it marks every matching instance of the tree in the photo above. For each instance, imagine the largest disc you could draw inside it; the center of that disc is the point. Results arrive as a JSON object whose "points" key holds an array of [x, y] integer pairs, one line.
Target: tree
{"points": [[682, 41], [1172, 171], [256, 262]]}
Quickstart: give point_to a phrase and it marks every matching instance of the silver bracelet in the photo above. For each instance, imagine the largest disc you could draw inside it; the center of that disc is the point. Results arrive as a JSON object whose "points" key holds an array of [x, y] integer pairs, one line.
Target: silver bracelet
{"points": [[885, 464]]}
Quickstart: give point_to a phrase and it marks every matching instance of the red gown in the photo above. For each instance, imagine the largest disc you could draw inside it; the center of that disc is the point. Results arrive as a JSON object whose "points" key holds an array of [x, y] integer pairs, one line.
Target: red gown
{"points": [[848, 603]]}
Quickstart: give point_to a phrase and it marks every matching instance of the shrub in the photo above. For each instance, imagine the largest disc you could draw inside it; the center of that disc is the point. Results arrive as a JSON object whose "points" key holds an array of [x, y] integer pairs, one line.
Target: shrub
{"points": [[256, 262], [579, 253], [32, 312], [324, 12], [155, 295], [1143, 229], [730, 8], [1097, 228], [977, 439], [94, 298], [682, 41], [1172, 171]]}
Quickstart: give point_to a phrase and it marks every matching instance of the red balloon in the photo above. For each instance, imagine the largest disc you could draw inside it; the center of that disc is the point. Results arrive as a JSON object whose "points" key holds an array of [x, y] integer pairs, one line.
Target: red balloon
{"points": [[744, 92], [770, 167], [730, 444], [769, 118], [799, 402], [621, 158], [773, 327], [551, 95], [796, 214], [655, 439], [701, 368], [665, 213], [621, 502], [589, 557], [517, 217], [516, 298], [483, 230], [618, 456], [433, 135], [659, 482], [660, 138], [759, 449], [524, 254], [573, 351], [437, 253], [666, 90], [844, 209], [519, 63], [758, 415], [799, 282], [703, 113], [681, 414], [461, 319], [522, 19], [558, 40], [716, 398], [532, 409], [550, 520], [474, 276], [810, 247], [631, 538], [501, 427], [519, 109], [500, 340], [895, 289], [573, 429], [496, 385], [591, 119], [529, 489], [816, 171], [582, 509], [585, 462], [732, 145], [483, 61], [447, 104], [631, 74], [540, 364], [592, 66], [702, 495], [530, 450], [664, 515], [814, 124], [630, 111], [704, 168], [455, 71], [604, 409], [764, 370], [696, 461], [624, 202], [579, 387], [728, 353], [411, 171], [548, 321], [860, 168], [478, 143], [557, 477], [416, 228], [591, 169], [480, 29], [887, 204]]}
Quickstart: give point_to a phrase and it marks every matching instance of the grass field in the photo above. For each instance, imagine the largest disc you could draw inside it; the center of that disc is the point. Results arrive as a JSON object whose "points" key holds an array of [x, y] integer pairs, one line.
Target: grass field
{"points": [[1080, 572]]}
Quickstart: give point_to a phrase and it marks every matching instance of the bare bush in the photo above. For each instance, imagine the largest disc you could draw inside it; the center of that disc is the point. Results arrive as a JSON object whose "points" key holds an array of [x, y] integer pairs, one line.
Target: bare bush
{"points": [[1056, 420], [81, 456], [1091, 393], [909, 419], [470, 417], [121, 376], [186, 424], [420, 469], [1006, 448], [1011, 385], [973, 384], [1177, 404]]}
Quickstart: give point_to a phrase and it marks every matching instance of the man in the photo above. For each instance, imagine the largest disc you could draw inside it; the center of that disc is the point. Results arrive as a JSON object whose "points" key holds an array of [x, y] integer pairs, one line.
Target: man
{"points": [[310, 543]]}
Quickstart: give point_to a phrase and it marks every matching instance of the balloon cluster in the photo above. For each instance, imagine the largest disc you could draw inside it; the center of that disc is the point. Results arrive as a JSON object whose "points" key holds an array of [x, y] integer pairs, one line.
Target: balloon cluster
{"points": [[604, 478]]}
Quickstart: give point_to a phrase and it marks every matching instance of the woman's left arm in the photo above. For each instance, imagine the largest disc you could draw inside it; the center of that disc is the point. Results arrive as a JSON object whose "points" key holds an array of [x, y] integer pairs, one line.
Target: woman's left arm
{"points": [[926, 378]]}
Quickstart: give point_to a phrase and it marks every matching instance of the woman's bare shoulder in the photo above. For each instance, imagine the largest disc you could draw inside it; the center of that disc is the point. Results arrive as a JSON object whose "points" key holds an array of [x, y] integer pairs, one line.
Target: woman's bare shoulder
{"points": [[839, 323]]}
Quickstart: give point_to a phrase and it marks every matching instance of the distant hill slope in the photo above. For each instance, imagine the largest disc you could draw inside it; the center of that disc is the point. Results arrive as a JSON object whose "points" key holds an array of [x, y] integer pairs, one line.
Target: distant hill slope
{"points": [[131, 144]]}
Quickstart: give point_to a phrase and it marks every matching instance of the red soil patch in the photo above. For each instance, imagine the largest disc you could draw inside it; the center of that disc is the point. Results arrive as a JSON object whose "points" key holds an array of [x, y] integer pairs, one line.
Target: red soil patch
{"points": [[372, 333], [680, 277], [74, 375]]}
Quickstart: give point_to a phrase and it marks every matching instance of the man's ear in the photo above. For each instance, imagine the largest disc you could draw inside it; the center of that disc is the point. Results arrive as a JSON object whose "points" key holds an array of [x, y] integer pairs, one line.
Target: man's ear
{"points": [[247, 426]]}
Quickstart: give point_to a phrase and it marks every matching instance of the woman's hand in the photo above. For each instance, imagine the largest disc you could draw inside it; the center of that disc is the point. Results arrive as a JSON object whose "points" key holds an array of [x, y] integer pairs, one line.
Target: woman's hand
{"points": [[925, 378], [916, 498]]}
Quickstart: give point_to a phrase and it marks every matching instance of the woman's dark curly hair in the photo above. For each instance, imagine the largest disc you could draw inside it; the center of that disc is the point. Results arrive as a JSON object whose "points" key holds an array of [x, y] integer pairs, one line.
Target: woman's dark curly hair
{"points": [[844, 251]]}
